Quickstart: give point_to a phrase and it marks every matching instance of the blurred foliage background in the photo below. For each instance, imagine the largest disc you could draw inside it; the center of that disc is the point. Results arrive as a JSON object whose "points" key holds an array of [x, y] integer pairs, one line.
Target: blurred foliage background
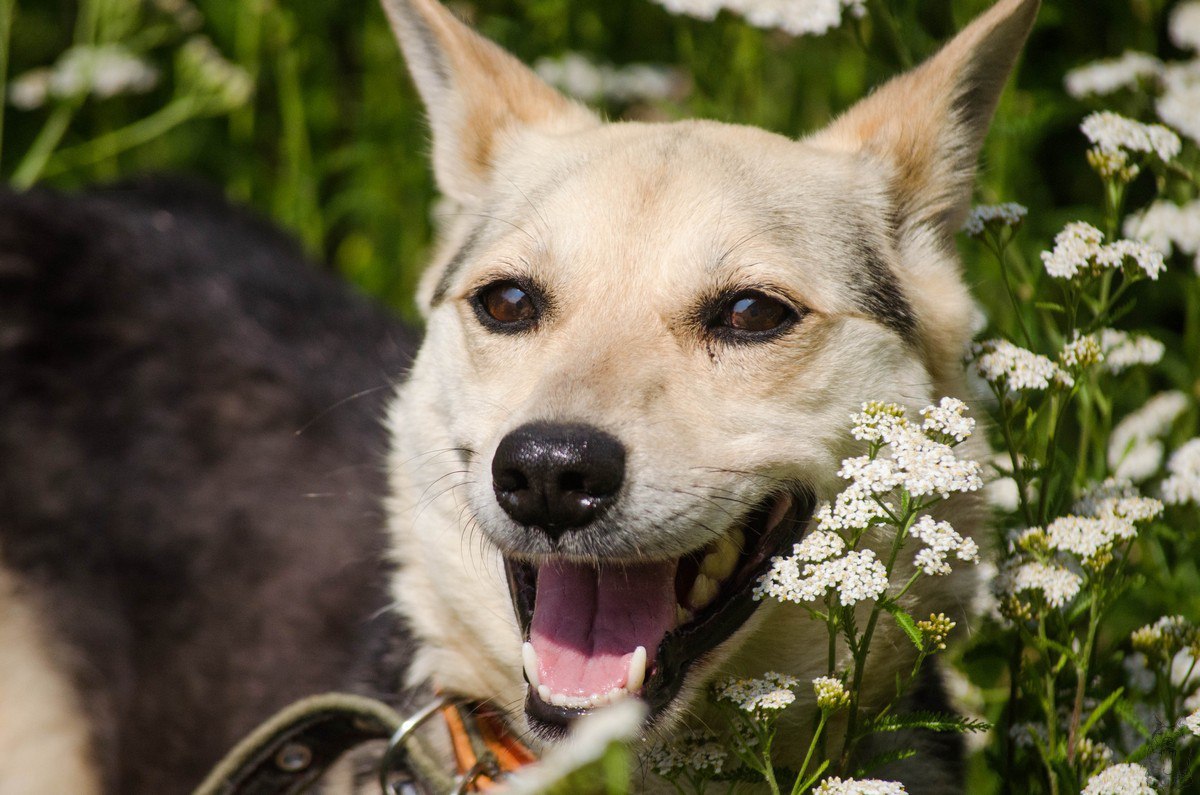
{"points": [[327, 136]]}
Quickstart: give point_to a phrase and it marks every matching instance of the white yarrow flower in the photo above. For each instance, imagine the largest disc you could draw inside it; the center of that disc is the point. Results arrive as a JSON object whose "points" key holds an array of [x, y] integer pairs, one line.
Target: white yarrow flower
{"points": [[1168, 226], [1125, 779], [994, 216], [948, 419], [940, 540], [854, 577], [770, 693], [1107, 76], [1123, 350], [859, 786], [1179, 103], [819, 545], [797, 17], [1113, 134], [1079, 249], [578, 76], [1184, 26], [101, 71], [700, 754], [1183, 483], [1002, 362], [1192, 723], [1056, 584], [1134, 451]]}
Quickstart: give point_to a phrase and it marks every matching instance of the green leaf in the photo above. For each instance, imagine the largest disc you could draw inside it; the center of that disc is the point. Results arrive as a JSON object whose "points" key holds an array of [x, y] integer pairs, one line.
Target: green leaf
{"points": [[886, 758], [930, 721], [1051, 307], [1099, 711], [905, 622]]}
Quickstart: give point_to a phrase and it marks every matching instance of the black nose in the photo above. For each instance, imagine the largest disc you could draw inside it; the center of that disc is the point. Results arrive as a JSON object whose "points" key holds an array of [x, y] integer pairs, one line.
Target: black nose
{"points": [[557, 476]]}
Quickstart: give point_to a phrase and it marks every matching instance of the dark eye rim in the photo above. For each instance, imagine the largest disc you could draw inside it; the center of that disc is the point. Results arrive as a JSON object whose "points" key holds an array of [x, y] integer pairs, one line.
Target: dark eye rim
{"points": [[715, 309], [536, 295]]}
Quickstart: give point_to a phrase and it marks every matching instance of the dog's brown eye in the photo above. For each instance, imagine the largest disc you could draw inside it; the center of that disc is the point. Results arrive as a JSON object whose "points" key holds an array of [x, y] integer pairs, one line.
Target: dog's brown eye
{"points": [[507, 304], [755, 313]]}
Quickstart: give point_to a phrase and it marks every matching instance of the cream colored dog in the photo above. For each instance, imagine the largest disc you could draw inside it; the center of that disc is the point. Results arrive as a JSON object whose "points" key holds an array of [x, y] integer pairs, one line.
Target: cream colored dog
{"points": [[644, 343]]}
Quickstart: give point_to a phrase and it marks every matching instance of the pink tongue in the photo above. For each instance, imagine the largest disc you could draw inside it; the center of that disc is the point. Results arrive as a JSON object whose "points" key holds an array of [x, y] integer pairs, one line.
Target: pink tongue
{"points": [[587, 622]]}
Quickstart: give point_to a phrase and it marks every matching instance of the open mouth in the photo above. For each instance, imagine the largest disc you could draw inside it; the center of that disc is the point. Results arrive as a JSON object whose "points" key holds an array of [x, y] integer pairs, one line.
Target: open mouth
{"points": [[595, 634]]}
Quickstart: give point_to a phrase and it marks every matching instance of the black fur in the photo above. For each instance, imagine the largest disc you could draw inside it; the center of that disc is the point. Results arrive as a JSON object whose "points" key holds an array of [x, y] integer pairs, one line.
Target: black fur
{"points": [[190, 467]]}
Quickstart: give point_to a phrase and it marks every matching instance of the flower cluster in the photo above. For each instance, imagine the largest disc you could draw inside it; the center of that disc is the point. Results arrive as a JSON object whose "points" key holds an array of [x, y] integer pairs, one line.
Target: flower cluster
{"points": [[1081, 352], [1123, 350], [940, 540], [1192, 723], [1055, 584], [1079, 249], [1114, 138], [1005, 364], [1165, 638], [699, 755], [1126, 779], [947, 420], [1112, 74], [797, 17], [770, 693], [855, 577], [856, 786], [101, 71], [831, 693], [1168, 226], [1183, 483], [994, 218], [935, 630], [1135, 451], [578, 76]]}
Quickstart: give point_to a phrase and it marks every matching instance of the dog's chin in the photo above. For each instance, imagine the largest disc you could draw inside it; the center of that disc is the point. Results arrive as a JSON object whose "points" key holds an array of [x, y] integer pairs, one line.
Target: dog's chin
{"points": [[600, 631]]}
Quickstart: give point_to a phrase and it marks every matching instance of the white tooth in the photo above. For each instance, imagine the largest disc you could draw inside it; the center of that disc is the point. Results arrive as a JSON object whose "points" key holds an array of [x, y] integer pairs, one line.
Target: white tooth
{"points": [[704, 590], [599, 699], [637, 670], [682, 615], [544, 694], [560, 699], [616, 694], [531, 664]]}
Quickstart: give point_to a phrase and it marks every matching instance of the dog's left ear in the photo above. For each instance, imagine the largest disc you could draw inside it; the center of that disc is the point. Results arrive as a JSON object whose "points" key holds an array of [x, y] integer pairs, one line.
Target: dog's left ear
{"points": [[928, 125], [478, 96]]}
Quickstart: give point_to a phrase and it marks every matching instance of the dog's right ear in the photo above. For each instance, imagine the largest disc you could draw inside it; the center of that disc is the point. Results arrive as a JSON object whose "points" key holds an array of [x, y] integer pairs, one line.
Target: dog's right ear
{"points": [[478, 96]]}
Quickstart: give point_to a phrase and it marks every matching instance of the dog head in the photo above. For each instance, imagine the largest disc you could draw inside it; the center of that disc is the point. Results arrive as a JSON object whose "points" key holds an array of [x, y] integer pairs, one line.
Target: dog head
{"points": [[644, 342]]}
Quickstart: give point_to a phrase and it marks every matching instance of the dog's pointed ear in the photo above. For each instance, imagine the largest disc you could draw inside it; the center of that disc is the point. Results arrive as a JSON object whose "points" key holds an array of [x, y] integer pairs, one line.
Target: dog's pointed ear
{"points": [[928, 124], [478, 96]]}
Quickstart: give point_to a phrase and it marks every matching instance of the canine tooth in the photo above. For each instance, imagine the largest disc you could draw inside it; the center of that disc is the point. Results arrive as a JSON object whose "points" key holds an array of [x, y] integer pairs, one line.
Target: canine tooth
{"points": [[637, 670], [704, 590], [683, 615], [529, 656], [544, 694]]}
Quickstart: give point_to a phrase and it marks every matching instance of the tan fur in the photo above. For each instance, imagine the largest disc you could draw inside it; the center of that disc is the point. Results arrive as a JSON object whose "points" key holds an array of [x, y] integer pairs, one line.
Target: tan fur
{"points": [[627, 225], [42, 728]]}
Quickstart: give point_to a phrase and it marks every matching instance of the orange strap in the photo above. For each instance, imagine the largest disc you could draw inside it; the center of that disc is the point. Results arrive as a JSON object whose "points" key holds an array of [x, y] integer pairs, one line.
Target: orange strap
{"points": [[509, 752]]}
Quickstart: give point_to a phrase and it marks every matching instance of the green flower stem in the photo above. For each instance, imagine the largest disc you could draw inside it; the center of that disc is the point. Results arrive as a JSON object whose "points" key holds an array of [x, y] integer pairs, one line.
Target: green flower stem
{"points": [[998, 249], [34, 162], [812, 746], [863, 646], [1081, 674], [113, 143], [1018, 471]]}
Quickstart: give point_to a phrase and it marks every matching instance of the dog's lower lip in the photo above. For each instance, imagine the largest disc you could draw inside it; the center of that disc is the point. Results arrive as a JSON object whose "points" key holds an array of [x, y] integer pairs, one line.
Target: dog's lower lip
{"points": [[707, 620]]}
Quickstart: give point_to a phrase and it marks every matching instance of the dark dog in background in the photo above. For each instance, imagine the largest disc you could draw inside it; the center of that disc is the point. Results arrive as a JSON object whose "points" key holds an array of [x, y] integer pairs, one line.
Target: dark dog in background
{"points": [[191, 448]]}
